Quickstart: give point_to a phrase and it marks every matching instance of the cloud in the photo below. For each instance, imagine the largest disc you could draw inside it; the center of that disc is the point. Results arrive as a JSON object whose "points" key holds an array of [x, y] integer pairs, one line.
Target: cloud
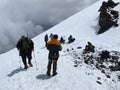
{"points": [[19, 17]]}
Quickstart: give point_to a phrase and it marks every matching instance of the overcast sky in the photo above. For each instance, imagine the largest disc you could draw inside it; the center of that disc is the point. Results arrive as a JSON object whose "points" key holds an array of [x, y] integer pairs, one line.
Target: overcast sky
{"points": [[19, 17]]}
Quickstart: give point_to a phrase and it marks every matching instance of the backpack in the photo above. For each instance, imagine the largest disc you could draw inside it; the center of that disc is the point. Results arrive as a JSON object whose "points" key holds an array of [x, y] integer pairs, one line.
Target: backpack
{"points": [[25, 43]]}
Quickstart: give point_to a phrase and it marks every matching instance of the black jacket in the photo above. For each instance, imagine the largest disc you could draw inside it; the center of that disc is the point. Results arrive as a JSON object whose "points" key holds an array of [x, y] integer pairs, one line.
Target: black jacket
{"points": [[30, 45]]}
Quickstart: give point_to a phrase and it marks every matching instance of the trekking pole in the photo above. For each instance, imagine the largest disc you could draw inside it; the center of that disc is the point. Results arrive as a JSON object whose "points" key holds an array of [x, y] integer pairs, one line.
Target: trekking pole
{"points": [[20, 61], [35, 60]]}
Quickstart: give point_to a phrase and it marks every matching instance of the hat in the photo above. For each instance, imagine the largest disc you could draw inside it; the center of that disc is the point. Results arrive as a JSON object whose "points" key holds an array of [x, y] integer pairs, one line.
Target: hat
{"points": [[55, 36]]}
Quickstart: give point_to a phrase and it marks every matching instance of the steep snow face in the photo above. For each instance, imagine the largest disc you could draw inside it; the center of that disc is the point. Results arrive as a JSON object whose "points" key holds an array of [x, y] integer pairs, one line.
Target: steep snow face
{"points": [[82, 26], [85, 25]]}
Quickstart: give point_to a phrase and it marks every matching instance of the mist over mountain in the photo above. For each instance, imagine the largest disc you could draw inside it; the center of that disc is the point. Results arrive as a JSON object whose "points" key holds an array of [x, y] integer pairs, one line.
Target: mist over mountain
{"points": [[32, 17]]}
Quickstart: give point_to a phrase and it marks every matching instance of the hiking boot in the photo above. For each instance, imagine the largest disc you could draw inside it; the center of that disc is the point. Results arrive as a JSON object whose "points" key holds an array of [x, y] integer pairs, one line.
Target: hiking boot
{"points": [[25, 67], [54, 74], [30, 64], [48, 73]]}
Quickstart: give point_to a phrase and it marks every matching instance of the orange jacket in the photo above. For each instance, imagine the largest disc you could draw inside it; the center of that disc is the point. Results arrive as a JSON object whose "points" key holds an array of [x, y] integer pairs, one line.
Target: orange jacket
{"points": [[54, 46]]}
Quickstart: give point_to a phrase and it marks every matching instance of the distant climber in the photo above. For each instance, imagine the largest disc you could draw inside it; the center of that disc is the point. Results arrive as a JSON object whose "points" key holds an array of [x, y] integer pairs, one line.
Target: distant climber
{"points": [[25, 47], [71, 39], [51, 36], [54, 46], [62, 40], [46, 39], [89, 48]]}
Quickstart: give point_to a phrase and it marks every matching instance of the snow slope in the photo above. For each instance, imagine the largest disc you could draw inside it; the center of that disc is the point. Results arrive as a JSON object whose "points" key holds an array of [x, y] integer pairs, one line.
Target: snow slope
{"points": [[82, 26]]}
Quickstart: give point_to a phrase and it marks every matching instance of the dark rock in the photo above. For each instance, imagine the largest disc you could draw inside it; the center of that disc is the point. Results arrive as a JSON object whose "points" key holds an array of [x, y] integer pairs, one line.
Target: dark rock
{"points": [[98, 82]]}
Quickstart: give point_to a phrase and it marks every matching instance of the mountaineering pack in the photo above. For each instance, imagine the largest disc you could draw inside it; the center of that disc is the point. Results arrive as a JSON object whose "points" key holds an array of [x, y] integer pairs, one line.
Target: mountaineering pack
{"points": [[25, 43]]}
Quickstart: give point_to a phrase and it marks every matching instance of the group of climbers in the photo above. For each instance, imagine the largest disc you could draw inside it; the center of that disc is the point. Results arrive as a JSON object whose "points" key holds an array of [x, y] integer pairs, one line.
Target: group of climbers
{"points": [[25, 47]]}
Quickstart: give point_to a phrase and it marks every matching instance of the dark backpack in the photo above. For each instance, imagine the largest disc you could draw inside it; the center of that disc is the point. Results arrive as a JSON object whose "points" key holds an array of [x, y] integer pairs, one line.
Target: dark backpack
{"points": [[25, 43]]}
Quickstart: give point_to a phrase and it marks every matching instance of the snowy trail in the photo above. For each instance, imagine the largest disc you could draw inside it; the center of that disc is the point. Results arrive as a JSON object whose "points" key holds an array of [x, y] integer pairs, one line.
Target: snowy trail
{"points": [[18, 79]]}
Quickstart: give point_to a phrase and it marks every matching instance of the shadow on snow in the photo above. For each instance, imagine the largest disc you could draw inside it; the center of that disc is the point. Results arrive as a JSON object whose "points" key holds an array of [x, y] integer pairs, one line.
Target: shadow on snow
{"points": [[43, 77], [15, 72]]}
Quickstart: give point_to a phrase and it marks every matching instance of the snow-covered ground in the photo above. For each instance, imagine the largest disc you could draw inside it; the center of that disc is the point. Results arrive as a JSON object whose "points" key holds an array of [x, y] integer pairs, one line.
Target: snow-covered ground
{"points": [[83, 27]]}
